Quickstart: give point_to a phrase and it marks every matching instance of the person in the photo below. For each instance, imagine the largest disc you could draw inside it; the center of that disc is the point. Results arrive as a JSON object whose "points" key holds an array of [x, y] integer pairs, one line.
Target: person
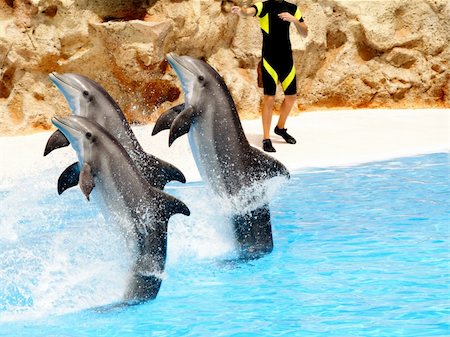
{"points": [[275, 17]]}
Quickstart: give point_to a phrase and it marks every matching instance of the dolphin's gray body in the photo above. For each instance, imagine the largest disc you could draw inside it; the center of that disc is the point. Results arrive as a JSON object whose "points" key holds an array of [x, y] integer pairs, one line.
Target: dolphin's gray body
{"points": [[125, 196], [224, 157], [88, 99]]}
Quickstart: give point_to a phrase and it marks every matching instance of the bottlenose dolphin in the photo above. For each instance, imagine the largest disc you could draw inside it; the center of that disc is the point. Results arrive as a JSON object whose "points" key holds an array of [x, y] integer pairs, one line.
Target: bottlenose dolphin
{"points": [[125, 197], [226, 161], [88, 99]]}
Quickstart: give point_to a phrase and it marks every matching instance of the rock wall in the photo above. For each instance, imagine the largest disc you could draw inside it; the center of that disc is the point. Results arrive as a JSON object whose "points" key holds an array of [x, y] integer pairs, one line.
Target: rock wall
{"points": [[358, 54]]}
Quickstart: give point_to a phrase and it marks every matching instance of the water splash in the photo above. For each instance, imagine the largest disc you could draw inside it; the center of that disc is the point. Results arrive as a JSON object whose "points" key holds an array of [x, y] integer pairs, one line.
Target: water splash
{"points": [[58, 254], [251, 197], [208, 233], [205, 234]]}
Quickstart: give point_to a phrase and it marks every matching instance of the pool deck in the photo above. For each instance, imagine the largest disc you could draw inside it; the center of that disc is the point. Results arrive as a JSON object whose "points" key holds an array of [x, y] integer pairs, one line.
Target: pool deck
{"points": [[324, 139]]}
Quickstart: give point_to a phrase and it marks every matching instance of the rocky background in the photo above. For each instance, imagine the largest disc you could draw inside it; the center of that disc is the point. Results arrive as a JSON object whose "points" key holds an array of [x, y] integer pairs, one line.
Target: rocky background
{"points": [[359, 54]]}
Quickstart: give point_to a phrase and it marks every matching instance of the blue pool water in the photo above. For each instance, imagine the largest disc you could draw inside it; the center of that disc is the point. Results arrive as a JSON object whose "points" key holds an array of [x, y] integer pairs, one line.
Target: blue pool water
{"points": [[359, 251]]}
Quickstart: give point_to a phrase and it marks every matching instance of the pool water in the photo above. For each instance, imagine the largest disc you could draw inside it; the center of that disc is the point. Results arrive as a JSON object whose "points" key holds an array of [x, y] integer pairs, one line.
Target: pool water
{"points": [[359, 251]]}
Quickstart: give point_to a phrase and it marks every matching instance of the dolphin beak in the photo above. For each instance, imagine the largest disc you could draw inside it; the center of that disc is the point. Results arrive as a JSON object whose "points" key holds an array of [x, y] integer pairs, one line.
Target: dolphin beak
{"points": [[55, 77], [59, 122], [66, 126], [70, 92], [58, 81], [172, 59], [70, 129], [185, 75], [176, 63]]}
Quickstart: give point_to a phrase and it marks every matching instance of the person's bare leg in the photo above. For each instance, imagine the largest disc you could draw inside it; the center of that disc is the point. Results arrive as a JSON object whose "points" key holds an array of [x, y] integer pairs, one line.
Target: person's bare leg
{"points": [[267, 115], [285, 109], [266, 121]]}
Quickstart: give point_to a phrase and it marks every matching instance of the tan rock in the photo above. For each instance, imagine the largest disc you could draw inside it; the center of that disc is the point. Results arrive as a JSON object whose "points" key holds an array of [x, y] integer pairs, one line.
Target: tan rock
{"points": [[116, 9], [358, 54]]}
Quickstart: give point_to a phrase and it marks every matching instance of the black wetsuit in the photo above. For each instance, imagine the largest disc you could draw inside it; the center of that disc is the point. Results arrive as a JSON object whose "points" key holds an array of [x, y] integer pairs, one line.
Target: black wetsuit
{"points": [[278, 64]]}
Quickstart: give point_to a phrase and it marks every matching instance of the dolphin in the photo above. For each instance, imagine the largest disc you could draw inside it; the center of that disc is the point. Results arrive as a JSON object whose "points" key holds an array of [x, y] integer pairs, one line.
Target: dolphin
{"points": [[111, 176], [88, 99], [226, 161]]}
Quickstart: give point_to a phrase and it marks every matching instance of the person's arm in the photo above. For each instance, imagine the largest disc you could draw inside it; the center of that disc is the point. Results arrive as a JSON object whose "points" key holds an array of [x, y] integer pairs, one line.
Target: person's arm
{"points": [[300, 25], [243, 11]]}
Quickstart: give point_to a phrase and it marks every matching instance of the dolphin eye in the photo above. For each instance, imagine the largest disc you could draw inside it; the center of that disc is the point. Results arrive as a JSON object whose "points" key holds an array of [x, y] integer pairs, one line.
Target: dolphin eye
{"points": [[88, 135], [85, 93], [201, 78]]}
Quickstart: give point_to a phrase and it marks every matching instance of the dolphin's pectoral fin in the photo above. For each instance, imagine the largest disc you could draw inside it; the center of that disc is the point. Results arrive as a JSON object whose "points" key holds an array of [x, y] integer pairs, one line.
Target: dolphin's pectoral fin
{"points": [[56, 141], [265, 167], [86, 180], [69, 178], [182, 124], [166, 119]]}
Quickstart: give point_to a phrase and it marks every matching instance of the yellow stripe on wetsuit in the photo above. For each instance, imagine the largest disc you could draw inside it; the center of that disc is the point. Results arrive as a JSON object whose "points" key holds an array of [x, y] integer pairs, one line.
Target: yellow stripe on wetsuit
{"points": [[264, 21], [270, 70], [287, 81], [259, 7], [298, 14]]}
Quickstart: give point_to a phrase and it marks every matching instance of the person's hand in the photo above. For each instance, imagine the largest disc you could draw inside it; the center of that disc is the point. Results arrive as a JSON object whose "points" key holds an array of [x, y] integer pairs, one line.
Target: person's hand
{"points": [[287, 17], [236, 9]]}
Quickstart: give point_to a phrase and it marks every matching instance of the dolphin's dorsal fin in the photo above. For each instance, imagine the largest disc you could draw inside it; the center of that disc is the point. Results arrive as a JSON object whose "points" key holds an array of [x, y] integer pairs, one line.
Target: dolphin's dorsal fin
{"points": [[157, 172], [264, 166], [86, 180], [165, 120], [69, 178], [182, 123], [56, 141]]}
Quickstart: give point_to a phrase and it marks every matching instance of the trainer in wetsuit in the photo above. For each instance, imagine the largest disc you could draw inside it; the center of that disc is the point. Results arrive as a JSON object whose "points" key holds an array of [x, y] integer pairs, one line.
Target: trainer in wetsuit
{"points": [[275, 17]]}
